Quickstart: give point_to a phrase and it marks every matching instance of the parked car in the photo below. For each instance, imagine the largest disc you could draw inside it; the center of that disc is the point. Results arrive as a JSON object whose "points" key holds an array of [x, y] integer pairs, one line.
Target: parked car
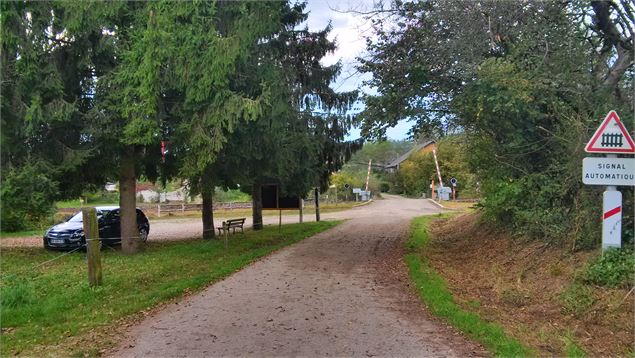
{"points": [[70, 234]]}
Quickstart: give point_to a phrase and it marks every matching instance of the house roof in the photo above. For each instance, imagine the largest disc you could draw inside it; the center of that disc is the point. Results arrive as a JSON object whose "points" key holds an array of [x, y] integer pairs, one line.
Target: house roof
{"points": [[405, 156]]}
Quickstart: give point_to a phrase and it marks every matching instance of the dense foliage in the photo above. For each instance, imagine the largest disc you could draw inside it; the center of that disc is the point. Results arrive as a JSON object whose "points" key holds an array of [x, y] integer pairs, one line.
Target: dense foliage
{"points": [[46, 101], [94, 91], [29, 193], [526, 84]]}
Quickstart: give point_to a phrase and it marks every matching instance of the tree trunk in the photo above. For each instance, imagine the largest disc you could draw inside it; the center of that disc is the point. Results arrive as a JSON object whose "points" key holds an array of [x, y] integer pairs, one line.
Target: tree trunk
{"points": [[607, 28], [207, 193], [317, 204], [256, 207], [130, 241], [623, 62]]}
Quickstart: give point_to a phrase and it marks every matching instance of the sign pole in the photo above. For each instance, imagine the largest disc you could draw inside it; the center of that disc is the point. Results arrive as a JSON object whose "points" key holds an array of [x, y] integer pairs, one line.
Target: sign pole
{"points": [[611, 216]]}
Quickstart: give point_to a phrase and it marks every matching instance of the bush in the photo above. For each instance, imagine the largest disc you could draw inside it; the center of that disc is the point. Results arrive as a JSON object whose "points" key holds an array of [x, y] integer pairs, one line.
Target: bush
{"points": [[384, 187], [27, 196], [615, 268]]}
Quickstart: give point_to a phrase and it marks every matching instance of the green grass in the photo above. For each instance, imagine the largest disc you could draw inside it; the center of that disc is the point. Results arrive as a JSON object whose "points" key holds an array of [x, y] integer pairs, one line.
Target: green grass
{"points": [[43, 306], [571, 348], [232, 195], [433, 291], [76, 204], [25, 233]]}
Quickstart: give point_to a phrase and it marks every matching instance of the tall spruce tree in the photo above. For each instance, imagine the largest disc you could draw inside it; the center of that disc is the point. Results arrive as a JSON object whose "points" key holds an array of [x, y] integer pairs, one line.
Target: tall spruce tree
{"points": [[172, 83], [289, 144], [49, 63]]}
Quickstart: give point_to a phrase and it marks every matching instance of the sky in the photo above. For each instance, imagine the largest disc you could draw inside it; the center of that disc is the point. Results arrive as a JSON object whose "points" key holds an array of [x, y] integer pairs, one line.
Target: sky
{"points": [[349, 31]]}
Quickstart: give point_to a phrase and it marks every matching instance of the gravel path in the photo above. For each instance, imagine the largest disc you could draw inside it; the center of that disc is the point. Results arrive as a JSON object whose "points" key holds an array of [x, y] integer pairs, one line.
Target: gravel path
{"points": [[343, 292]]}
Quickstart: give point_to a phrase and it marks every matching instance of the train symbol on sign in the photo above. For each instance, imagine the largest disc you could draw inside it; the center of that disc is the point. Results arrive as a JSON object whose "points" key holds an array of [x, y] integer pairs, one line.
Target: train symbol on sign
{"points": [[612, 140]]}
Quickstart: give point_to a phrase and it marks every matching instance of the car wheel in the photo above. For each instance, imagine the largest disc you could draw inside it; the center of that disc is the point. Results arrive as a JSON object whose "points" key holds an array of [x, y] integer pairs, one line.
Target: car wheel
{"points": [[143, 233]]}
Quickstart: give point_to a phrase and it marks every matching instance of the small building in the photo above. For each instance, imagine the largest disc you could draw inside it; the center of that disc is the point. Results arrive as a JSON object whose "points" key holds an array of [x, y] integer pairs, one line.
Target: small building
{"points": [[422, 147], [110, 187]]}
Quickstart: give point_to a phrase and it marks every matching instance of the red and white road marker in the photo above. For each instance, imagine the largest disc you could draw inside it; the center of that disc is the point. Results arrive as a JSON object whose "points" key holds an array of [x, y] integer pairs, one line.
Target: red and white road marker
{"points": [[612, 219]]}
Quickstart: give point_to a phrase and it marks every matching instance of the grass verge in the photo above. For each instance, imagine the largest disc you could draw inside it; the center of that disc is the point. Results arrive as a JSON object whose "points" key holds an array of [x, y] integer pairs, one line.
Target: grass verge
{"points": [[433, 291], [45, 305], [459, 205], [26, 233]]}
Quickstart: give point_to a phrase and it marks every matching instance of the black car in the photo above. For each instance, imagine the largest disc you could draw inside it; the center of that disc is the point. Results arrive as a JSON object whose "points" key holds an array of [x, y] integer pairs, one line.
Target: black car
{"points": [[70, 234]]}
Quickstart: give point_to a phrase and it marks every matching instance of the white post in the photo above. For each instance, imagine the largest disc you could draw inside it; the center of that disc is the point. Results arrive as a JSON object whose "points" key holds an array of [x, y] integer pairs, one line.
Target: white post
{"points": [[368, 175], [611, 216]]}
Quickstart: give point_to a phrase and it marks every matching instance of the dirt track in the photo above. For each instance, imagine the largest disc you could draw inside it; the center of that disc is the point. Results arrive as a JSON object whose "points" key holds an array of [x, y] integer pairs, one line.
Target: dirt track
{"points": [[185, 228], [343, 292]]}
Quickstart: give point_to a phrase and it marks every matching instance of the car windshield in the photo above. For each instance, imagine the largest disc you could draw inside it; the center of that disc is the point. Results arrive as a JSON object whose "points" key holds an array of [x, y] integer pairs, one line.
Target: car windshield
{"points": [[78, 216]]}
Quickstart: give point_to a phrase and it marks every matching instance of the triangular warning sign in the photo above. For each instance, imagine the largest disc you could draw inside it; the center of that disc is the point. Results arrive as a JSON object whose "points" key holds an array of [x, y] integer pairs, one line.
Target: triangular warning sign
{"points": [[611, 137]]}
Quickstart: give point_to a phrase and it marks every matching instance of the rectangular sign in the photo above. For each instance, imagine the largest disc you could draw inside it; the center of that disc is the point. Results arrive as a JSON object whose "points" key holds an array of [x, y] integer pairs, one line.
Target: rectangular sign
{"points": [[608, 171], [357, 190]]}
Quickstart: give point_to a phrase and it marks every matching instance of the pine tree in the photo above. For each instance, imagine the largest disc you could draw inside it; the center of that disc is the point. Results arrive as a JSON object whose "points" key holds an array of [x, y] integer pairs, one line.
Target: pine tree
{"points": [[288, 144], [48, 66], [172, 83]]}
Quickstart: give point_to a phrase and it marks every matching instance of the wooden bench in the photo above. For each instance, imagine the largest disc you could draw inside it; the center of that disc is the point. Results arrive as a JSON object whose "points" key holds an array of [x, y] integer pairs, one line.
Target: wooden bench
{"points": [[231, 224]]}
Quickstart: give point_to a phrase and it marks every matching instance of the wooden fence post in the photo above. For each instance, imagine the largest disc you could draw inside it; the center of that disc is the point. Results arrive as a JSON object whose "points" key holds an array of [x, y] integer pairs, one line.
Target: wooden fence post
{"points": [[159, 210], [93, 247]]}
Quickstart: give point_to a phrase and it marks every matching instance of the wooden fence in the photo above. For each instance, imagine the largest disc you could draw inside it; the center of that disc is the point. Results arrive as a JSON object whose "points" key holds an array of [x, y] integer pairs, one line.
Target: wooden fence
{"points": [[162, 209], [166, 208]]}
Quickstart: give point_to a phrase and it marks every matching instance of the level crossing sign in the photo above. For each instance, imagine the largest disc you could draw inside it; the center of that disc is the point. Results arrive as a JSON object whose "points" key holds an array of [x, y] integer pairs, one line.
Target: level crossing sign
{"points": [[611, 137]]}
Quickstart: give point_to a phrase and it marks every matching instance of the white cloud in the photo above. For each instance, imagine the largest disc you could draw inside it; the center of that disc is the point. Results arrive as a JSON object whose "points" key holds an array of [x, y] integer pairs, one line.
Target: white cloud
{"points": [[349, 29]]}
